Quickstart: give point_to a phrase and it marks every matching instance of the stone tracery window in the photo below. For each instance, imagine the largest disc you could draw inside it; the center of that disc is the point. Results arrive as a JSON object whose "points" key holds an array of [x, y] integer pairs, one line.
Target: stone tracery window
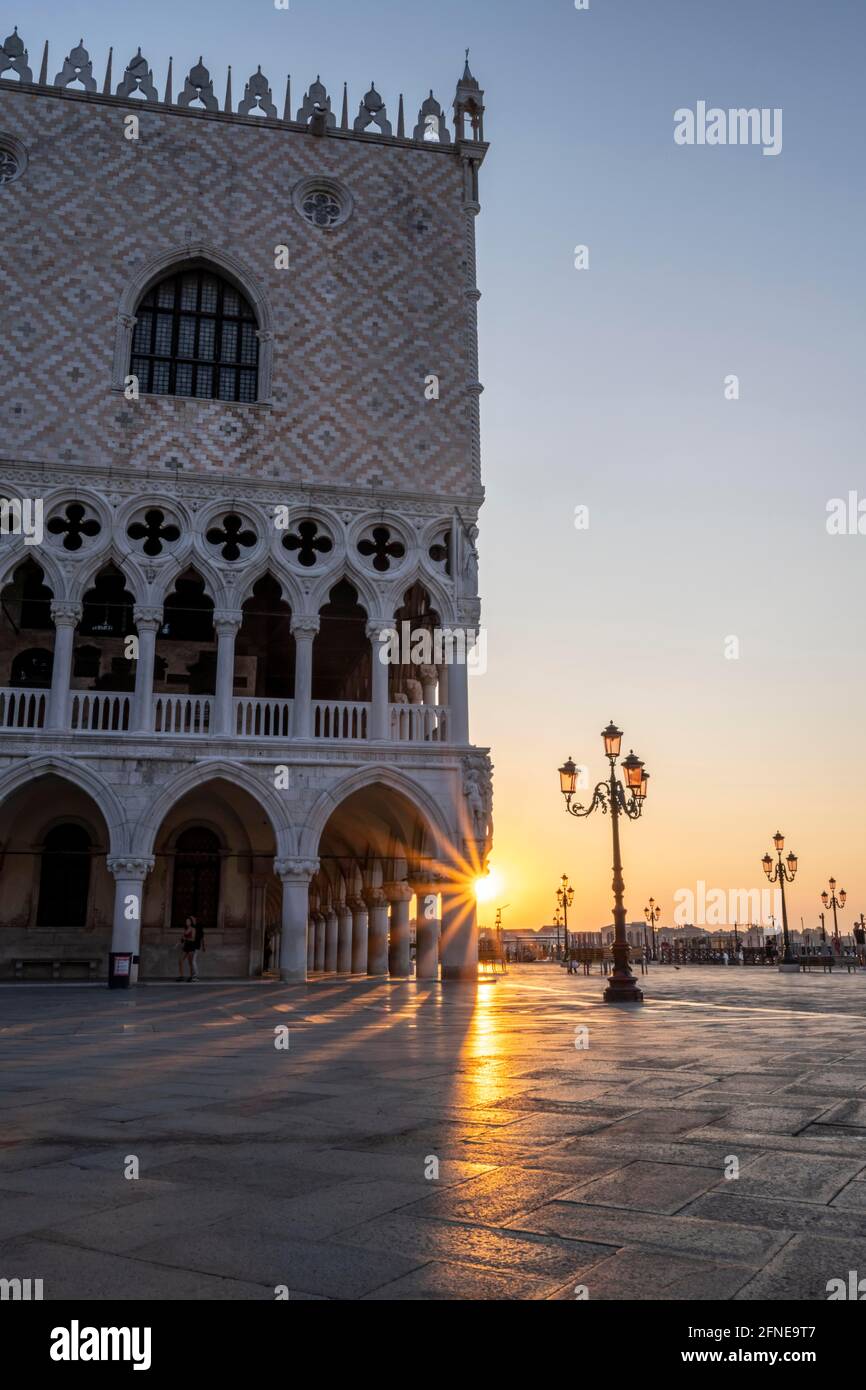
{"points": [[381, 548], [74, 525], [231, 537], [322, 208], [307, 543], [9, 166], [196, 335], [155, 531]]}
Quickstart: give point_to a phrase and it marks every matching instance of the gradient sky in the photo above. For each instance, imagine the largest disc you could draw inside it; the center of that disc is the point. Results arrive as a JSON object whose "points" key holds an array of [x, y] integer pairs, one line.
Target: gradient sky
{"points": [[604, 388]]}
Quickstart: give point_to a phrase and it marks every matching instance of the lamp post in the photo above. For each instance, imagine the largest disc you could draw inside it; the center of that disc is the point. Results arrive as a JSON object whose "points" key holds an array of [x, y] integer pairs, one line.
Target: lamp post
{"points": [[823, 926], [831, 900], [557, 922], [652, 913], [782, 873], [611, 796], [565, 897]]}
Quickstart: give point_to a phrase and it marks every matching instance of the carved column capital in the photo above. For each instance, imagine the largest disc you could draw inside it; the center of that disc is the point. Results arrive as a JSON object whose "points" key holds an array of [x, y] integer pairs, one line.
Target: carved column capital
{"points": [[135, 866], [147, 619], [305, 625], [226, 621], [397, 892], [65, 614], [296, 870]]}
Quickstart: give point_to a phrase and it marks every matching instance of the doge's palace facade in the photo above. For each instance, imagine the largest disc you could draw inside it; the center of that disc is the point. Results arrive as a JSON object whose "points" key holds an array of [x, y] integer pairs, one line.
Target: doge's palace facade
{"points": [[240, 483]]}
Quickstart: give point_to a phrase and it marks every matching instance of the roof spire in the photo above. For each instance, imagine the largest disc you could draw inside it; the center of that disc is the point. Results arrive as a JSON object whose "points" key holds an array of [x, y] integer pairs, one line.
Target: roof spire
{"points": [[344, 122], [167, 97], [228, 103], [401, 124], [287, 109], [43, 71], [106, 86]]}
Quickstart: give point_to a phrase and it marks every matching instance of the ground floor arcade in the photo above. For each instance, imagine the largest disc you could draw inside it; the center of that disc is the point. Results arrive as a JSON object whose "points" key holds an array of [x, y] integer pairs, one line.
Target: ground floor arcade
{"points": [[365, 877]]}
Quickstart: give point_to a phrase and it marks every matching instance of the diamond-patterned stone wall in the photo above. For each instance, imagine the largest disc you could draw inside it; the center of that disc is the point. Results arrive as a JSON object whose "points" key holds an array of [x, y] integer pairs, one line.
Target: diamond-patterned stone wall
{"points": [[365, 312]]}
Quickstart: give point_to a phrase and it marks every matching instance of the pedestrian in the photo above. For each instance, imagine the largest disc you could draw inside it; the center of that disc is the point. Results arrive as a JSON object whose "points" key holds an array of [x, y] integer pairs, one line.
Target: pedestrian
{"points": [[644, 969], [187, 949], [199, 945]]}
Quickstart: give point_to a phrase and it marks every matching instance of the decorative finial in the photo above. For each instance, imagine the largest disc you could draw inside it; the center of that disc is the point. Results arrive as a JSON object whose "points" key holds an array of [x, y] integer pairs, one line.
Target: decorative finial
{"points": [[168, 83]]}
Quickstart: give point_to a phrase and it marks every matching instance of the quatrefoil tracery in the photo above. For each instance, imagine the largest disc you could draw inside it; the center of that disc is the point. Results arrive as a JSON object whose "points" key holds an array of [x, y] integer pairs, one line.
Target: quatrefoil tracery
{"points": [[74, 526], [308, 543], [381, 548], [231, 537], [153, 530]]}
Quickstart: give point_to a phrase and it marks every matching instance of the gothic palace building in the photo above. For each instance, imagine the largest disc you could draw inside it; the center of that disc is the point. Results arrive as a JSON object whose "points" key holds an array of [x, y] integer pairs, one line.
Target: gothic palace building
{"points": [[240, 452]]}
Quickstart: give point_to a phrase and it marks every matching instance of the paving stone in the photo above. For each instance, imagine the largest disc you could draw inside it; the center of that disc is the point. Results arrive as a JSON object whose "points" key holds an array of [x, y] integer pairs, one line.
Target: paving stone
{"points": [[646, 1275], [724, 1241], [803, 1269], [229, 1249], [468, 1244], [496, 1196], [661, 1187]]}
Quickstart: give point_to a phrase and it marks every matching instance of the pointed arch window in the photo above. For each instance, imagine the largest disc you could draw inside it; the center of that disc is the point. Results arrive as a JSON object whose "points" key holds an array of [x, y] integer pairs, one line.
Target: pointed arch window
{"points": [[196, 335]]}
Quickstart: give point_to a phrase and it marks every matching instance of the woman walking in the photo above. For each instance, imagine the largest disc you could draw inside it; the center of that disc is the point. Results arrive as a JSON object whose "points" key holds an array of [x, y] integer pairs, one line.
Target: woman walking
{"points": [[187, 949]]}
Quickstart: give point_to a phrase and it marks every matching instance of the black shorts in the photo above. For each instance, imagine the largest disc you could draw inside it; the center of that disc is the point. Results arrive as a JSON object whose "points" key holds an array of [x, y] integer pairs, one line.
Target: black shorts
{"points": [[189, 947]]}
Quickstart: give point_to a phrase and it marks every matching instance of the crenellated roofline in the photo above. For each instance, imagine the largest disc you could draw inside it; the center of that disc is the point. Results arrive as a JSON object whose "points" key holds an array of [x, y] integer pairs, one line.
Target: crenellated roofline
{"points": [[195, 96]]}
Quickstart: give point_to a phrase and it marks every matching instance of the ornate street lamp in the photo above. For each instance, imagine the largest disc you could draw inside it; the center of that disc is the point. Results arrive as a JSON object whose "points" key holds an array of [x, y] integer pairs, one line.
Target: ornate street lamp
{"points": [[565, 897], [835, 901], [782, 873], [618, 799], [652, 915], [557, 922]]}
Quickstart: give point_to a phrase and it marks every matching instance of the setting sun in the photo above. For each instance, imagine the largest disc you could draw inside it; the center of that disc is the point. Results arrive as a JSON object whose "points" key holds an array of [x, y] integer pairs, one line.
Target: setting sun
{"points": [[488, 887]]}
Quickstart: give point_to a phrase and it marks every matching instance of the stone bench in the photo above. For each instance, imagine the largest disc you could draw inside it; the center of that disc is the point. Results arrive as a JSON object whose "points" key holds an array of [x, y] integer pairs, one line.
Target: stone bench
{"points": [[56, 964]]}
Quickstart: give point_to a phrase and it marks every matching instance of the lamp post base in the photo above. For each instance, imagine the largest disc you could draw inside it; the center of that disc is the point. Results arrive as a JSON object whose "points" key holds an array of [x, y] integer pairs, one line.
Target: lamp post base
{"points": [[623, 990]]}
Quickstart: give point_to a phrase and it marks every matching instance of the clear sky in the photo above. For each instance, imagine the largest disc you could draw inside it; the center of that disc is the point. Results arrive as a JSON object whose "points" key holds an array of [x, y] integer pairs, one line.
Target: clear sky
{"points": [[605, 389]]}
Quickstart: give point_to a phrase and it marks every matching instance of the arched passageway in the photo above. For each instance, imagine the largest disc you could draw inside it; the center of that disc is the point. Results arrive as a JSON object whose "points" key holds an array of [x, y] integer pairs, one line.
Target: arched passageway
{"points": [[213, 856], [56, 891]]}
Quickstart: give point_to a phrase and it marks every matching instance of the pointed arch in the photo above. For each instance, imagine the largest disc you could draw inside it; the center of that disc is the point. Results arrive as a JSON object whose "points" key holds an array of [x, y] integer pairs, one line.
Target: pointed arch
{"points": [[146, 829], [195, 256], [122, 561], [382, 774], [81, 776]]}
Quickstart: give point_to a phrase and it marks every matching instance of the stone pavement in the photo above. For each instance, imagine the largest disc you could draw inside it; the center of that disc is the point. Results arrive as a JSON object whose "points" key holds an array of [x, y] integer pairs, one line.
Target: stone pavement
{"points": [[557, 1167]]}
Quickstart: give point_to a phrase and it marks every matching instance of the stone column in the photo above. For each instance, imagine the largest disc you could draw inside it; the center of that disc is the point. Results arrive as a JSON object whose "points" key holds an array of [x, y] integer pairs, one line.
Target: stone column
{"points": [[227, 625], [459, 943], [295, 875], [319, 919], [311, 944], [129, 875], [443, 684], [331, 940], [458, 699], [429, 677], [148, 621], [304, 629], [66, 619], [360, 928], [380, 723], [426, 934], [344, 939], [399, 896], [258, 898], [377, 937]]}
